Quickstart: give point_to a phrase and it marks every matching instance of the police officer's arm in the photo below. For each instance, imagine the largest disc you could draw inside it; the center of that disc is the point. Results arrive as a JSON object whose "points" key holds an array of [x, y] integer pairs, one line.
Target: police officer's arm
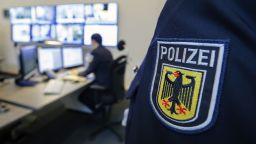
{"points": [[93, 65]]}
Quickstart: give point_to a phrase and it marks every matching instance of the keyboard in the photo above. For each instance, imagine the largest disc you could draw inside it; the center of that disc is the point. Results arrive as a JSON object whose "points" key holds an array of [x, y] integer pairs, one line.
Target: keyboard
{"points": [[54, 87]]}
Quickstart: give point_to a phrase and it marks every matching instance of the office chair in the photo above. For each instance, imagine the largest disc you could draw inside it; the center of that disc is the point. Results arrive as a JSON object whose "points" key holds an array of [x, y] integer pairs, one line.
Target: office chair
{"points": [[115, 93]]}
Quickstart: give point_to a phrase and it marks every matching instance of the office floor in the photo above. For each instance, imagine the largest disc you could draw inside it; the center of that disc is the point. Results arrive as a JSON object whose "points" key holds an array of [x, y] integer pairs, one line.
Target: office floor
{"points": [[73, 128]]}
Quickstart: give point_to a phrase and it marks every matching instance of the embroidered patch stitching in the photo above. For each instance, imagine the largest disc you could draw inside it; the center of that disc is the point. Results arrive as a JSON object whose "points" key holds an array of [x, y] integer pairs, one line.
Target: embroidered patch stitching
{"points": [[173, 102]]}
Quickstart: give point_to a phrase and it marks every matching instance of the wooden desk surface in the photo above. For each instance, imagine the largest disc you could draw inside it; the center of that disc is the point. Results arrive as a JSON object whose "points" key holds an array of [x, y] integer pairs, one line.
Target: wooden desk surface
{"points": [[15, 113], [34, 97]]}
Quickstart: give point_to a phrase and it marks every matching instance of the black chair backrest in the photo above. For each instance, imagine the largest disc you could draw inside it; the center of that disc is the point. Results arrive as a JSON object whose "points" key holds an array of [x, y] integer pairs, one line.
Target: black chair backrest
{"points": [[117, 78]]}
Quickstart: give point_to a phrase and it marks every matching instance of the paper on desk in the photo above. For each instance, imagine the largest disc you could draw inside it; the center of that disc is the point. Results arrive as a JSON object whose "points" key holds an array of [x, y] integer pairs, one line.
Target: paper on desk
{"points": [[74, 78]]}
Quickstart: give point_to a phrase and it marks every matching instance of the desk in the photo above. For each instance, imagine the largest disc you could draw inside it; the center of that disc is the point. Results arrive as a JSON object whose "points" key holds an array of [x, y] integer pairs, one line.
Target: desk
{"points": [[14, 114], [33, 97]]}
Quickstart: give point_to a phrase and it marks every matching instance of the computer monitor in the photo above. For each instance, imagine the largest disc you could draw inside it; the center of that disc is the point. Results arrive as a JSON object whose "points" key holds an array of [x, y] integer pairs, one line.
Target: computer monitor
{"points": [[21, 33], [42, 32], [28, 61], [21, 15], [43, 14], [73, 57], [70, 33], [109, 34], [73, 13], [102, 13], [49, 59]]}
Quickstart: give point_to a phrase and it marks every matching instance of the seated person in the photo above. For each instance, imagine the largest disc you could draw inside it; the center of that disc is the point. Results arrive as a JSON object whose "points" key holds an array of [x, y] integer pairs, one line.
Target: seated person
{"points": [[101, 67]]}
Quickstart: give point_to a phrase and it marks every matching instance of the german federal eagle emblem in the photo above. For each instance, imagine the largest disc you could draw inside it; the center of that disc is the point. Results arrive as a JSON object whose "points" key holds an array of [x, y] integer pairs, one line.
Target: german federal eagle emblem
{"points": [[179, 92], [186, 84]]}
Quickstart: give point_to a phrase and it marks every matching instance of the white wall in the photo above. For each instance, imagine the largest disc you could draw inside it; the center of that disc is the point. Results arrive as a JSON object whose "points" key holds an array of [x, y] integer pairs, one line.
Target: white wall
{"points": [[137, 20]]}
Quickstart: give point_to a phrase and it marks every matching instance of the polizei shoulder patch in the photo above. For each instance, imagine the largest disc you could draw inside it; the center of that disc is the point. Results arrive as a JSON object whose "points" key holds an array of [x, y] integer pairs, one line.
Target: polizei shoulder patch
{"points": [[187, 83]]}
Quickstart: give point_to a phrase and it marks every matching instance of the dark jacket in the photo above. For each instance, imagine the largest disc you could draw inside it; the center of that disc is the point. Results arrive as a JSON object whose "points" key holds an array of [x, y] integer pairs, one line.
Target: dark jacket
{"points": [[196, 25], [100, 66]]}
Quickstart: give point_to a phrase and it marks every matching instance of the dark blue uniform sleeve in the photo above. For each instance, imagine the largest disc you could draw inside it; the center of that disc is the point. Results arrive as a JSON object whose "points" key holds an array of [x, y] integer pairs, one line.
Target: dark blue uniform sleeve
{"points": [[226, 91], [135, 83], [93, 65]]}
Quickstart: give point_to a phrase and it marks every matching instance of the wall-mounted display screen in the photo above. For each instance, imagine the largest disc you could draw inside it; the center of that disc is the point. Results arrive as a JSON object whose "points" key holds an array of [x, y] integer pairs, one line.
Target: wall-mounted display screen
{"points": [[70, 13], [42, 32], [108, 33], [43, 14], [70, 24], [70, 33], [21, 33], [101, 13], [21, 15]]}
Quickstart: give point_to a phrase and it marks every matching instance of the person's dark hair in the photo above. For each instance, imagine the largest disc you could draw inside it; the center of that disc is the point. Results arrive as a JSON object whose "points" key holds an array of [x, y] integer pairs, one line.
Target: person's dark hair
{"points": [[121, 45], [97, 37]]}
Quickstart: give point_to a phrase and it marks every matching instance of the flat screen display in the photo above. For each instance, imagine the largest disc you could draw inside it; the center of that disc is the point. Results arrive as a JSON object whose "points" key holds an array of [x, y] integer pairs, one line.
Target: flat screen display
{"points": [[49, 59], [70, 13], [28, 60], [43, 14], [101, 13], [21, 15], [43, 32], [21, 33], [108, 32], [68, 23], [72, 57], [70, 34]]}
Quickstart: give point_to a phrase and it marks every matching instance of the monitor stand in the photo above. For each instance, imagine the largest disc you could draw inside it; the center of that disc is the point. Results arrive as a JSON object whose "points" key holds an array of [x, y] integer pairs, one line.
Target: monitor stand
{"points": [[25, 83]]}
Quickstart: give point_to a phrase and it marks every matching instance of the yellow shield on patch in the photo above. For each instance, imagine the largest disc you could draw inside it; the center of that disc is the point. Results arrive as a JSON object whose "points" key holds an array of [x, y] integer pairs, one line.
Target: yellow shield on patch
{"points": [[179, 92]]}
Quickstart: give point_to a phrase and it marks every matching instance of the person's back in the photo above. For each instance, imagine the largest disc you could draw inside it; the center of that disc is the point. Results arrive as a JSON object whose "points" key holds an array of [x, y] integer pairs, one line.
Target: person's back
{"points": [[101, 63], [103, 59], [100, 66]]}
